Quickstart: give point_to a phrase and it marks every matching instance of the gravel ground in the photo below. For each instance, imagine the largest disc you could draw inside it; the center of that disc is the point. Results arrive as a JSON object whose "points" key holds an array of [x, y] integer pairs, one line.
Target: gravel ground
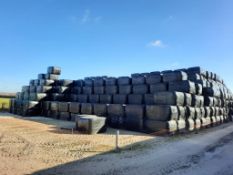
{"points": [[37, 146]]}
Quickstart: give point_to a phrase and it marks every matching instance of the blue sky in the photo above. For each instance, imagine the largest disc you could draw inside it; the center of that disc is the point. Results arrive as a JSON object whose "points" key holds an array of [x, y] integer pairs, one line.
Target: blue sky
{"points": [[113, 37]]}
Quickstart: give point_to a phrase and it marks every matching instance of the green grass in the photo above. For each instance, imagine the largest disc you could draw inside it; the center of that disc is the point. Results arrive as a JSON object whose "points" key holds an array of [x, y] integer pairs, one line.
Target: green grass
{"points": [[4, 103]]}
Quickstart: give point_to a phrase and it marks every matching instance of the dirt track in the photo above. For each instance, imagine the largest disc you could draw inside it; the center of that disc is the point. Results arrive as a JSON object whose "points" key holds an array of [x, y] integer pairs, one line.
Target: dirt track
{"points": [[28, 147]]}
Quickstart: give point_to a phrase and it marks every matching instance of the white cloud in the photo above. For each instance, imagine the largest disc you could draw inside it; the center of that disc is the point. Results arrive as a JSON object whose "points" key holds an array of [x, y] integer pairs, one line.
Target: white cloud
{"points": [[157, 43], [86, 16]]}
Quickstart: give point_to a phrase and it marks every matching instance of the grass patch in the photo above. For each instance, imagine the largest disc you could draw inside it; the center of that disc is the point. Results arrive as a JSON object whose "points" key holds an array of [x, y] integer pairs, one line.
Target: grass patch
{"points": [[4, 103]]}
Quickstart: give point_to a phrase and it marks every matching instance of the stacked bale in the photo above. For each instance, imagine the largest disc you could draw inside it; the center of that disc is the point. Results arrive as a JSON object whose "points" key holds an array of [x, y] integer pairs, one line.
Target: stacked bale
{"points": [[29, 100], [169, 101]]}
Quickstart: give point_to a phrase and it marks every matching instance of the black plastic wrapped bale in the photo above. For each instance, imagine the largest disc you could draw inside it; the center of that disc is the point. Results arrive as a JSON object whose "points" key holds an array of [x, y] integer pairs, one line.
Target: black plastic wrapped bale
{"points": [[56, 97], [208, 101], [140, 89], [125, 89], [153, 78], [54, 106], [175, 76], [62, 89], [190, 112], [119, 99], [86, 108], [199, 89], [161, 112], [78, 83], [63, 106], [45, 107], [53, 114], [99, 82], [90, 124], [64, 116], [169, 98], [32, 83], [197, 101], [198, 113], [197, 124], [134, 115], [41, 76], [211, 91], [138, 79], [187, 99], [30, 108], [88, 82], [66, 82], [26, 89], [110, 81], [181, 112], [32, 89], [161, 127], [26, 96], [111, 89], [158, 87], [87, 90], [54, 70], [46, 82], [99, 90], [181, 125], [123, 81], [115, 115], [182, 86], [74, 108], [190, 124], [105, 99], [100, 109], [94, 98], [44, 89], [194, 77], [196, 70], [149, 99], [38, 96], [82, 98], [135, 99], [52, 76], [76, 90]]}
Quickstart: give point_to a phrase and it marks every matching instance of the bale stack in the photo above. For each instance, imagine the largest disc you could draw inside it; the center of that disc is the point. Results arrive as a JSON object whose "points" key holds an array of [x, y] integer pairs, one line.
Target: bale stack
{"points": [[168, 101], [29, 100]]}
